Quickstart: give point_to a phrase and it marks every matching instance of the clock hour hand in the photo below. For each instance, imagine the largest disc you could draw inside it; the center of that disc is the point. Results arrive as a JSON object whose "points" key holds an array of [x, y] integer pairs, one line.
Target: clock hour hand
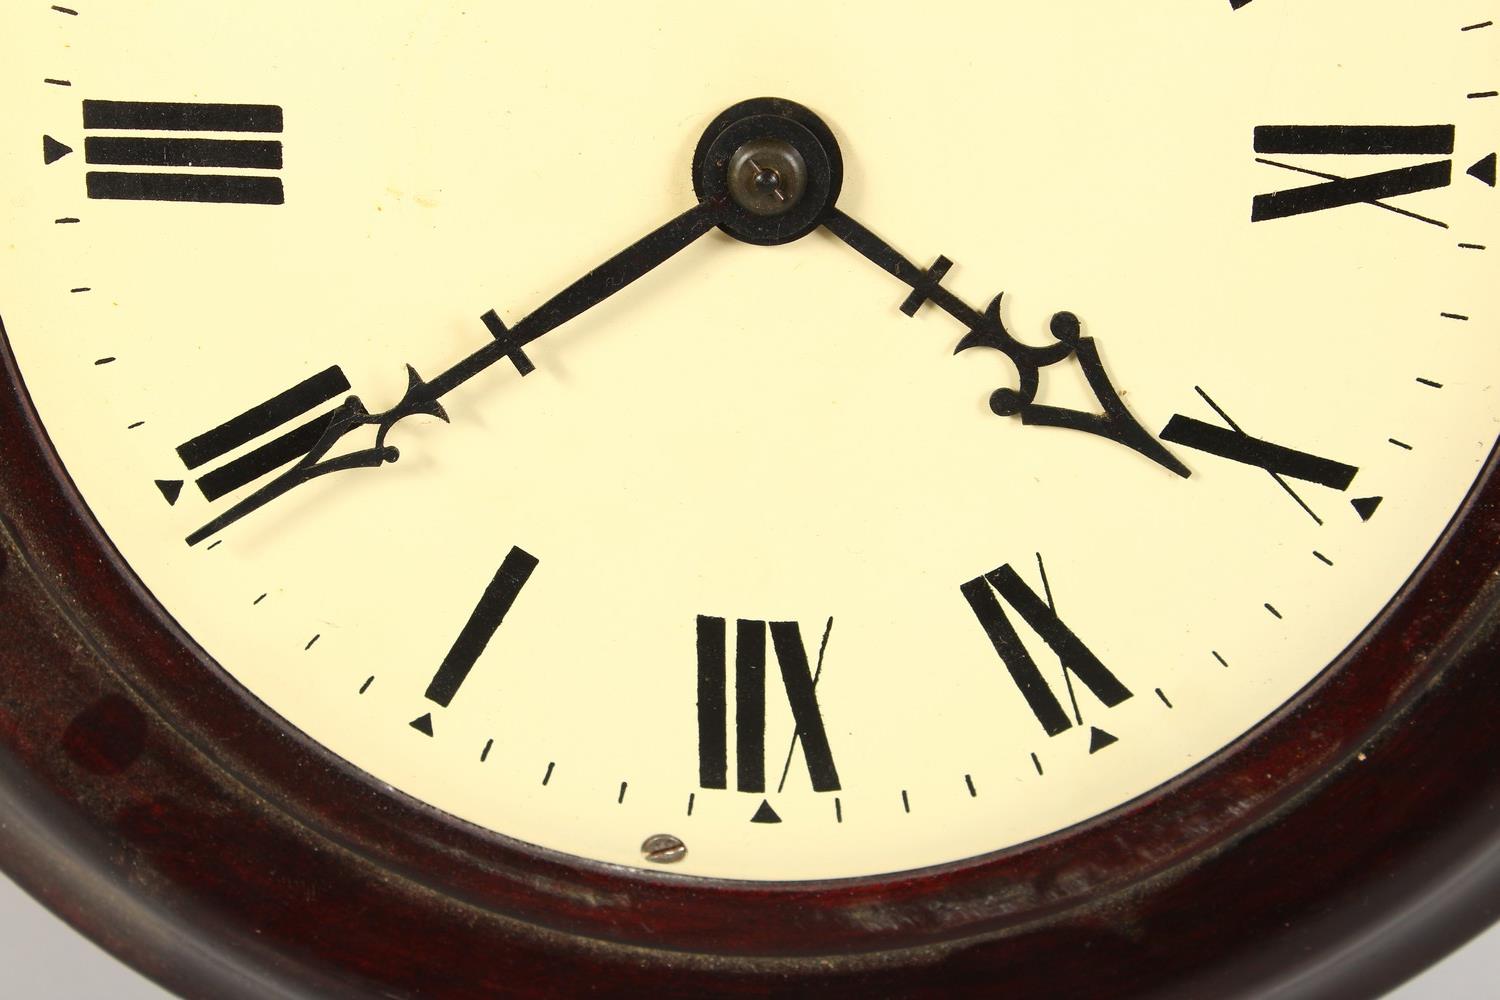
{"points": [[423, 396], [987, 330]]}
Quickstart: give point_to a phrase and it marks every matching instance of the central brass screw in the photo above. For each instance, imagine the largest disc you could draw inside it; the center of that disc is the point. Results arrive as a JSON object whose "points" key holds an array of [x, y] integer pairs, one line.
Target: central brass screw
{"points": [[767, 181], [767, 177]]}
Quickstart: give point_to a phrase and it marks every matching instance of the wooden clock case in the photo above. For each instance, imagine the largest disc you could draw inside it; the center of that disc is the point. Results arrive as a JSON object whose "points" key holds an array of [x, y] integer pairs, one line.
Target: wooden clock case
{"points": [[1346, 842]]}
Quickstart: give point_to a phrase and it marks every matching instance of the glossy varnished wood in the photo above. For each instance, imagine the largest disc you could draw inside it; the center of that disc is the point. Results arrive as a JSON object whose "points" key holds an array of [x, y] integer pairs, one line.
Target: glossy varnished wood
{"points": [[169, 816]]}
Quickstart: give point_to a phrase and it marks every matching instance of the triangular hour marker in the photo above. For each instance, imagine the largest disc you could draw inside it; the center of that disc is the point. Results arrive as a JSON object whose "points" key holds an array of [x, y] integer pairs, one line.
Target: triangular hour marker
{"points": [[1367, 506], [765, 814], [52, 150], [171, 489], [1484, 170], [423, 725], [1099, 739]]}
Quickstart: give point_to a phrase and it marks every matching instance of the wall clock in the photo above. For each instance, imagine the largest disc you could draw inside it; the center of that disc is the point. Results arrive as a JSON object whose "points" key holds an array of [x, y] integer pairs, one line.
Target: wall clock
{"points": [[522, 499]]}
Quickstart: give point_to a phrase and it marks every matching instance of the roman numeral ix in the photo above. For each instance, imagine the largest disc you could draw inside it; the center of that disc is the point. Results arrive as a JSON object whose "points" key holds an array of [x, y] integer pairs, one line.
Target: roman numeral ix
{"points": [[1337, 190]]}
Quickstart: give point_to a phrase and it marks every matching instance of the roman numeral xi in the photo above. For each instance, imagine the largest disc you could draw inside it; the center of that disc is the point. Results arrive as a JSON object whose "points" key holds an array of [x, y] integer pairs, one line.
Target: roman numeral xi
{"points": [[985, 595]]}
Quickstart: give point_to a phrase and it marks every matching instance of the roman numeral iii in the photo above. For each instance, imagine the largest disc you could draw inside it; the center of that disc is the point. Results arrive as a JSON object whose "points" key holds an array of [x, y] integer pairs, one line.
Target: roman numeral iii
{"points": [[798, 680], [1077, 659], [1338, 190], [187, 157]]}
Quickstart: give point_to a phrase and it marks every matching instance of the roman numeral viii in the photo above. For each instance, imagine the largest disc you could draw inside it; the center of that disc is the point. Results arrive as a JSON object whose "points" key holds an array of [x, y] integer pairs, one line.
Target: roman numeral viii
{"points": [[1077, 659], [1338, 190], [797, 679]]}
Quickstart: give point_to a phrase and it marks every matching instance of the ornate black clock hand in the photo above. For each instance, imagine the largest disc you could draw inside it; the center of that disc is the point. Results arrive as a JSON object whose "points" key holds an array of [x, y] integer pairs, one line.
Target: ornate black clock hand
{"points": [[780, 167], [988, 330], [422, 397]]}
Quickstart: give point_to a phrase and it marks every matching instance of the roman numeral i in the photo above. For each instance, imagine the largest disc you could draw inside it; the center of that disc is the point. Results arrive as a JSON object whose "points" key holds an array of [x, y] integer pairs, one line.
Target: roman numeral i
{"points": [[480, 628]]}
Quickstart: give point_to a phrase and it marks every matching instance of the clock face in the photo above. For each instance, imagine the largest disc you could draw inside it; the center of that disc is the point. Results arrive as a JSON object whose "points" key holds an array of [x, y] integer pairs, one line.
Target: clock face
{"points": [[745, 571]]}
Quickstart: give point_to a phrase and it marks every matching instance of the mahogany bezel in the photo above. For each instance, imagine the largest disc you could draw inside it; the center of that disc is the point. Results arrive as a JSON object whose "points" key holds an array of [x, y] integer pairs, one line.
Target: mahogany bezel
{"points": [[175, 820]]}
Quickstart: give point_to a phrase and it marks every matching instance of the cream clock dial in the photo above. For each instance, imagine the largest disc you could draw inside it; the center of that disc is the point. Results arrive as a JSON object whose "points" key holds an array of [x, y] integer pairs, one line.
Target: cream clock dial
{"points": [[619, 439]]}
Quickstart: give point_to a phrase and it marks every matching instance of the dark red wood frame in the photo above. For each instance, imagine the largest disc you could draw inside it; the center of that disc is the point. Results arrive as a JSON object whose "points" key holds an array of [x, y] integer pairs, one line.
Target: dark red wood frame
{"points": [[176, 821]]}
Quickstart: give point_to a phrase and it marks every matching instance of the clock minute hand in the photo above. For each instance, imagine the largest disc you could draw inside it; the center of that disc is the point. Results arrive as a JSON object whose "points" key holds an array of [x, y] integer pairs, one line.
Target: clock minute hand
{"points": [[987, 330], [422, 396], [629, 265]]}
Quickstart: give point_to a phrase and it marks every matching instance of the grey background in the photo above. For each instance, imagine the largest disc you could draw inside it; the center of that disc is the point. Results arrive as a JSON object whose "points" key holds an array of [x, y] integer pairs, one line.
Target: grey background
{"points": [[41, 958]]}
